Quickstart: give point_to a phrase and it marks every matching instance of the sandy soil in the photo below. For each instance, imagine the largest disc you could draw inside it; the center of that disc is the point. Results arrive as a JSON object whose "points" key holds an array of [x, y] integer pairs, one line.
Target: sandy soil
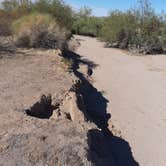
{"points": [[136, 89], [27, 75], [30, 140]]}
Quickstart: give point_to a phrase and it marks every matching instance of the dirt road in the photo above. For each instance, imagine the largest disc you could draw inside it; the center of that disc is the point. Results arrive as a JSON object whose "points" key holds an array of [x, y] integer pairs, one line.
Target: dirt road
{"points": [[136, 89]]}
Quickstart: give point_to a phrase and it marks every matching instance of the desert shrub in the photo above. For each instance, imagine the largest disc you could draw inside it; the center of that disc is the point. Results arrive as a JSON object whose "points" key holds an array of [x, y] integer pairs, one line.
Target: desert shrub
{"points": [[58, 9], [146, 44], [12, 10], [149, 37], [39, 31], [85, 24], [138, 28], [162, 33], [7, 45], [5, 26], [118, 29]]}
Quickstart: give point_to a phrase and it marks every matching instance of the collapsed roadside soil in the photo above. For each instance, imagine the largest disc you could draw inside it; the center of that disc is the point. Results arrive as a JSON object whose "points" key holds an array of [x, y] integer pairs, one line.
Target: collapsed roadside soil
{"points": [[50, 116], [32, 129]]}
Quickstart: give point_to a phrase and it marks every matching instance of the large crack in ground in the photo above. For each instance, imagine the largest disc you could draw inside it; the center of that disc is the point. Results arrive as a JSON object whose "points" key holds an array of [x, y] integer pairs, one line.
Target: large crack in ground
{"points": [[59, 132], [104, 147]]}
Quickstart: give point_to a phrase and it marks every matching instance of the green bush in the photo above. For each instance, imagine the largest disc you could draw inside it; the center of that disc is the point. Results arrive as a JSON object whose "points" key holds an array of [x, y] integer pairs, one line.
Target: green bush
{"points": [[39, 31], [87, 26], [13, 10], [118, 29], [139, 29], [147, 44], [58, 9], [5, 26]]}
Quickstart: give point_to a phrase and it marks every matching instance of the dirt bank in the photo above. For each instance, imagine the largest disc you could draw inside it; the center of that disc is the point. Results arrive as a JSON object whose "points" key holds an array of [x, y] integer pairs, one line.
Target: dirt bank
{"points": [[49, 116], [34, 84]]}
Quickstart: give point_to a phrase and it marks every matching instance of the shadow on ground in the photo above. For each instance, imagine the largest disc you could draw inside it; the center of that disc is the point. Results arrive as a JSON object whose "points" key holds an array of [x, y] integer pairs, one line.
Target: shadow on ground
{"points": [[105, 149], [43, 109], [109, 150]]}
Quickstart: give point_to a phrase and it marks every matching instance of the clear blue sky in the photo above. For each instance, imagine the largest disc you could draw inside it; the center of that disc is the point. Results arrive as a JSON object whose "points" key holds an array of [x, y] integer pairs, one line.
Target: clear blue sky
{"points": [[102, 7]]}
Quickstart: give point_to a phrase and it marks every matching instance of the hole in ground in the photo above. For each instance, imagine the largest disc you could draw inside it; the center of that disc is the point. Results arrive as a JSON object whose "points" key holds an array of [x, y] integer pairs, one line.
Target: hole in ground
{"points": [[42, 109]]}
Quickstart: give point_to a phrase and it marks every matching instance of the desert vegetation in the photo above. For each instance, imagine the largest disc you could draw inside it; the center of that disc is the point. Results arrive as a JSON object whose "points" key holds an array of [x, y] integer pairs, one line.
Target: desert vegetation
{"points": [[139, 29], [37, 24], [39, 31], [86, 24]]}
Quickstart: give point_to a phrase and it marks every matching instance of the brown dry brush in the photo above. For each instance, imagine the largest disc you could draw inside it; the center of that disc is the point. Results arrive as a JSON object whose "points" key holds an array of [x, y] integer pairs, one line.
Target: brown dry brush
{"points": [[38, 30], [39, 24]]}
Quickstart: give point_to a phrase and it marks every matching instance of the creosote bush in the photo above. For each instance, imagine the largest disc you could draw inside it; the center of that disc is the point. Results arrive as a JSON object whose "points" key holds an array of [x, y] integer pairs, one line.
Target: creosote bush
{"points": [[131, 30], [39, 31], [118, 29], [139, 29], [11, 10], [85, 24], [7, 45]]}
